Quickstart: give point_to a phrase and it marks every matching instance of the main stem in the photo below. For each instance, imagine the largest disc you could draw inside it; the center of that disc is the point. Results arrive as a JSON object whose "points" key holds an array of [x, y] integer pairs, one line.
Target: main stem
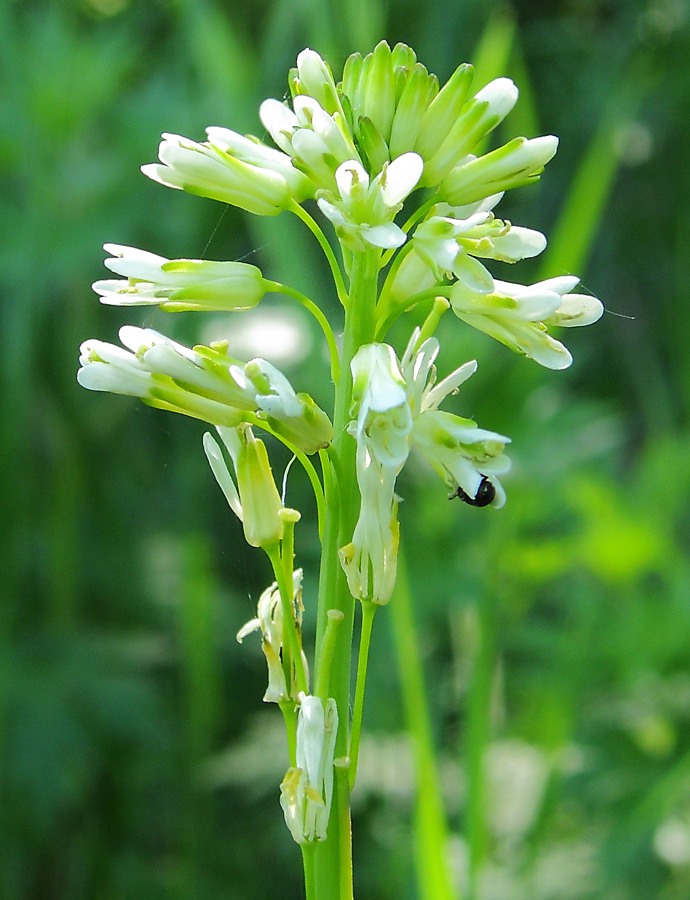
{"points": [[333, 857]]}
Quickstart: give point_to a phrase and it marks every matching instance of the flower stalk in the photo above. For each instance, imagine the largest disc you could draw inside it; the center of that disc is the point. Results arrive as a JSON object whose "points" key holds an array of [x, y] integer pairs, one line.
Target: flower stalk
{"points": [[359, 148]]}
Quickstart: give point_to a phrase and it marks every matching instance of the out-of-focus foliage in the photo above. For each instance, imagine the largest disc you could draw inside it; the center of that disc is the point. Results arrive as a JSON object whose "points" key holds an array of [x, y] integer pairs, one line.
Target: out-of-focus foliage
{"points": [[136, 760]]}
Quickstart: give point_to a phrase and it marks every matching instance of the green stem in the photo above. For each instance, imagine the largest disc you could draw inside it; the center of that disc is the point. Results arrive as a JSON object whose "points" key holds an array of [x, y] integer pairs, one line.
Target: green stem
{"points": [[292, 648], [309, 878], [437, 290], [368, 613], [477, 737], [333, 857], [323, 666], [327, 250], [342, 792], [287, 707], [320, 318]]}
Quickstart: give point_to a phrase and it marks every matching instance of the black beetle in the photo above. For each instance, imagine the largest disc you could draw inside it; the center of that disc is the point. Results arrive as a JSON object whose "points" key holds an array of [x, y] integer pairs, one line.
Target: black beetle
{"points": [[485, 494]]}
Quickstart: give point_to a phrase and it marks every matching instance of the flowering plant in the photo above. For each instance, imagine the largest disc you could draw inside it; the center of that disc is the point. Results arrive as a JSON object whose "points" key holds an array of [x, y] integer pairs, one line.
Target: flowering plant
{"points": [[386, 138]]}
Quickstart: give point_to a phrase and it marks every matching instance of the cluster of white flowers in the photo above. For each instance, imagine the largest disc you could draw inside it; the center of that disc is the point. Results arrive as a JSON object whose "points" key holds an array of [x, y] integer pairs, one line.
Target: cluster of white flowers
{"points": [[358, 148]]}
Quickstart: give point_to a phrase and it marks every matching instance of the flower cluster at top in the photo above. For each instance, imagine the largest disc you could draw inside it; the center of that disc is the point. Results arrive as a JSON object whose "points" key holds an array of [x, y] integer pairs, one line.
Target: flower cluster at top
{"points": [[360, 148], [354, 152]]}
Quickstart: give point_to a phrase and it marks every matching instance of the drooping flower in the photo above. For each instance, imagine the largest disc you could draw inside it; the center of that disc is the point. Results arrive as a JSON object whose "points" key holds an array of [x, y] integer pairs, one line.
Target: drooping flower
{"points": [[269, 621], [178, 284], [255, 500], [295, 417], [306, 792], [518, 315], [396, 404]]}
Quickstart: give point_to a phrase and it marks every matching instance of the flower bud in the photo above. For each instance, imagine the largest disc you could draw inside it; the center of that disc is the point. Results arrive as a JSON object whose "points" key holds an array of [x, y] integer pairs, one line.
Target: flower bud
{"points": [[443, 111], [478, 117], [517, 163], [420, 89], [314, 77], [257, 489], [178, 284], [379, 90], [210, 172]]}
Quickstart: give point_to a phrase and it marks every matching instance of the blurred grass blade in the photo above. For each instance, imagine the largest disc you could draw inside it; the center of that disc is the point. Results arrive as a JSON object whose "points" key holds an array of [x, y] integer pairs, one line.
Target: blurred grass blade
{"points": [[491, 55], [583, 210], [431, 834]]}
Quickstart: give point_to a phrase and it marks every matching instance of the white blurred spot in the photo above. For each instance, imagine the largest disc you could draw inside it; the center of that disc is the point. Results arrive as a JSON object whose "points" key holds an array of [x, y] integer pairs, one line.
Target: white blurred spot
{"points": [[274, 333], [672, 842], [517, 774], [634, 144]]}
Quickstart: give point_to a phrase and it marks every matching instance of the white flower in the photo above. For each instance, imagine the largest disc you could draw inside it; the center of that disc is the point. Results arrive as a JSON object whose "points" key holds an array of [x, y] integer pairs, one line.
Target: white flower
{"points": [[208, 171], [450, 242], [269, 622], [396, 405], [251, 150], [463, 454], [178, 284], [517, 315], [307, 789], [164, 374], [362, 212], [315, 139]]}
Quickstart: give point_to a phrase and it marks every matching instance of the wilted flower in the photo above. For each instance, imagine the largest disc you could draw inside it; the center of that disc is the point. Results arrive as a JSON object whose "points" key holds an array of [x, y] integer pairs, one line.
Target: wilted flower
{"points": [[269, 622], [255, 500], [307, 789], [397, 409]]}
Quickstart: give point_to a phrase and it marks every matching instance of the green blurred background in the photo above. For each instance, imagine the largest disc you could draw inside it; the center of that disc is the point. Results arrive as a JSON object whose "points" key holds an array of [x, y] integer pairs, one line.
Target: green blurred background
{"points": [[136, 757]]}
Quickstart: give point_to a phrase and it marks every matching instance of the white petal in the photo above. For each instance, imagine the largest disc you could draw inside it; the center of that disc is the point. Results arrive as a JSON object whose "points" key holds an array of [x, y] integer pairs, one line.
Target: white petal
{"points": [[104, 377], [331, 212], [473, 274], [277, 118], [563, 284], [349, 173], [387, 236], [222, 475], [163, 175], [449, 384], [501, 95], [519, 243], [576, 310], [401, 178]]}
